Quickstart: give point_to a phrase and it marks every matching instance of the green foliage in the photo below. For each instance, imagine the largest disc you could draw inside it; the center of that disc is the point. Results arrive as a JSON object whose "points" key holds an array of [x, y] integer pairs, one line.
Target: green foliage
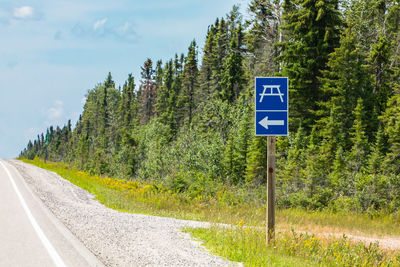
{"points": [[229, 205], [311, 32], [263, 35], [248, 245], [233, 74], [190, 127], [391, 118], [359, 151], [190, 81], [257, 160], [343, 84]]}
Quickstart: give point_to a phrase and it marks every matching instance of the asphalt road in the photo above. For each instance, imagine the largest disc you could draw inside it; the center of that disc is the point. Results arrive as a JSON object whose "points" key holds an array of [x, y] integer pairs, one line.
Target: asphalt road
{"points": [[30, 235]]}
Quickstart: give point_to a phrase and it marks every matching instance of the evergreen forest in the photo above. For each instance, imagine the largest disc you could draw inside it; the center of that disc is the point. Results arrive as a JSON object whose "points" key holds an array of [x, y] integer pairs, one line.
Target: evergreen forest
{"points": [[188, 123]]}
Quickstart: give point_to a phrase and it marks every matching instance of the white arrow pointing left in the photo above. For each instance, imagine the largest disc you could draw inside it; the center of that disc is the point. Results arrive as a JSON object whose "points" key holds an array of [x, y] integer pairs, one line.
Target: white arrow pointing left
{"points": [[265, 122]]}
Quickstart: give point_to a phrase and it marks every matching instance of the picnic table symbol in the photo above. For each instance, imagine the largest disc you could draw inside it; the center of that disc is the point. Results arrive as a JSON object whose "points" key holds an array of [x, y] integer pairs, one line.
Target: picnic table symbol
{"points": [[271, 92]]}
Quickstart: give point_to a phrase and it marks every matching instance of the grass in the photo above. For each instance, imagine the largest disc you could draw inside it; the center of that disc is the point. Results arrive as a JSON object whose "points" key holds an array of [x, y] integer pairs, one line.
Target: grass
{"points": [[246, 244], [153, 199], [328, 222]]}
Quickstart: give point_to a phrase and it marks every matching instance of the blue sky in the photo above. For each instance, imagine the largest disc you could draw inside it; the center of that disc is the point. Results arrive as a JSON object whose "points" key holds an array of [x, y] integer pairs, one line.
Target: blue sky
{"points": [[52, 52]]}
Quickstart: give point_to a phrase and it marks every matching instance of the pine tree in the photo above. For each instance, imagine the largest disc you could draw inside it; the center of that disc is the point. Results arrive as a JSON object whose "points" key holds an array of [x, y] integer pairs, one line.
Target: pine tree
{"points": [[163, 93], [293, 174], [379, 64], [315, 170], [391, 119], [232, 79], [131, 107], [264, 32], [175, 102], [346, 80], [378, 153], [311, 34], [148, 92], [333, 132], [243, 144], [361, 15], [359, 151], [221, 44], [233, 20], [109, 83], [237, 147], [338, 175], [205, 73], [158, 74], [190, 81], [257, 160], [127, 104]]}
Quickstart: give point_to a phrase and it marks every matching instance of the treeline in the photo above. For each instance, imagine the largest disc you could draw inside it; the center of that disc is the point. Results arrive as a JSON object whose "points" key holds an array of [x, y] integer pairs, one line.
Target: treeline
{"points": [[189, 123]]}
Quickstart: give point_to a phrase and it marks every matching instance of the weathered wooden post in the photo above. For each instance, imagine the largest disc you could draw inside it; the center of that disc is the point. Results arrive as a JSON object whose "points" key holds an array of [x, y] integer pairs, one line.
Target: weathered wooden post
{"points": [[271, 188]]}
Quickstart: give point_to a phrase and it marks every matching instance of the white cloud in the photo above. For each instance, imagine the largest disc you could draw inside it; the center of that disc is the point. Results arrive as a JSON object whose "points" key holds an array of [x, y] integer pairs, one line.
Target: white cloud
{"points": [[126, 31], [125, 28], [99, 24], [24, 12], [56, 112], [103, 29]]}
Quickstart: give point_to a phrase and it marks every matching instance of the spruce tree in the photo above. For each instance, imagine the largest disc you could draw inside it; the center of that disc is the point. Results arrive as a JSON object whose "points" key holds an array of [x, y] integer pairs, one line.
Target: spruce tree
{"points": [[127, 104], [109, 83], [233, 20], [263, 35], [293, 174], [232, 79], [158, 74], [346, 80], [175, 103], [163, 93], [190, 81], [237, 147], [221, 44], [333, 132], [148, 92], [338, 176], [205, 73], [378, 152], [391, 119], [257, 160], [316, 167], [311, 30], [359, 151], [379, 64]]}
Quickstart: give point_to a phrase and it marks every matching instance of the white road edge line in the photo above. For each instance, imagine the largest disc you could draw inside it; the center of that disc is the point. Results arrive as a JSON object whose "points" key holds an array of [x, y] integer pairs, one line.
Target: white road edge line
{"points": [[50, 249]]}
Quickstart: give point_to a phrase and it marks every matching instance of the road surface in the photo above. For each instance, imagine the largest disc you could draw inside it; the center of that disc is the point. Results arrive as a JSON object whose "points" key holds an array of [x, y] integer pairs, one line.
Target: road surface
{"points": [[115, 238], [30, 235]]}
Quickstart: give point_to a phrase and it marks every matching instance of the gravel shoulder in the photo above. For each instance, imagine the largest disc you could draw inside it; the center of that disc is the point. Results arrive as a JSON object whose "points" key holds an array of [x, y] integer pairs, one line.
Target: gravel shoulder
{"points": [[117, 238]]}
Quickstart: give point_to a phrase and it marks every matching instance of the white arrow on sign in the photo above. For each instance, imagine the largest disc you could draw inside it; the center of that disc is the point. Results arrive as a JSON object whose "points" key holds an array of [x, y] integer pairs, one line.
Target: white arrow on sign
{"points": [[265, 122]]}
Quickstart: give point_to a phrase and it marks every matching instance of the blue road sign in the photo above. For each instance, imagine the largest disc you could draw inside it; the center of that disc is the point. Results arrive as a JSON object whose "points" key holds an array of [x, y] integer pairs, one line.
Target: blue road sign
{"points": [[272, 106]]}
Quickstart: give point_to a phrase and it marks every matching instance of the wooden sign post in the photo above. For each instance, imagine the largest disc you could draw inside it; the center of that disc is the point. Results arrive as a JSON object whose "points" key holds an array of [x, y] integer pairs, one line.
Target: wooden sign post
{"points": [[271, 188], [271, 100]]}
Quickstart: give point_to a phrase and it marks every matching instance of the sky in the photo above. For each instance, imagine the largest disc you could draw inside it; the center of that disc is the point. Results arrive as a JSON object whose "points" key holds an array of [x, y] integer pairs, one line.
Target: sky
{"points": [[53, 51]]}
